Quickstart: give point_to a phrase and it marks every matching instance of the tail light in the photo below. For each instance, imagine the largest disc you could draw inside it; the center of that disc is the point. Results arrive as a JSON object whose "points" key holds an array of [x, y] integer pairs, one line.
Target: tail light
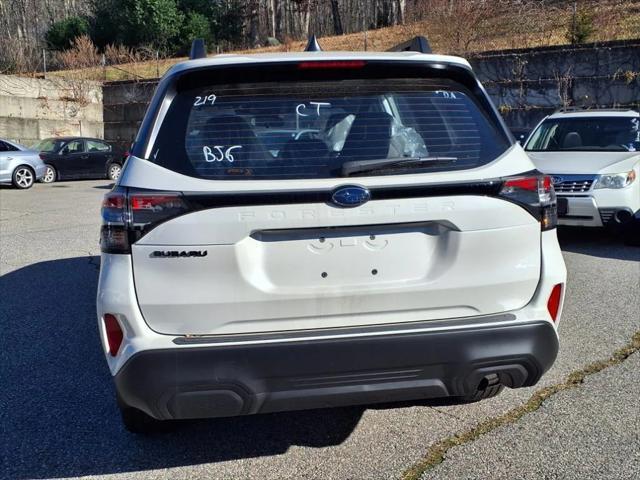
{"points": [[128, 215], [42, 156], [536, 194], [114, 333]]}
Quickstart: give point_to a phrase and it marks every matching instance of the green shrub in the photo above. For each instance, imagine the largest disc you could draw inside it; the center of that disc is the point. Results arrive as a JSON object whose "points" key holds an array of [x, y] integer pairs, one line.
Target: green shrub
{"points": [[196, 25], [580, 26], [62, 34]]}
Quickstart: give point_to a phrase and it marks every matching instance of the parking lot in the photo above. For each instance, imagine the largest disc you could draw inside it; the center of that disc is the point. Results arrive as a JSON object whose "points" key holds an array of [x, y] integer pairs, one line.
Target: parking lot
{"points": [[59, 417]]}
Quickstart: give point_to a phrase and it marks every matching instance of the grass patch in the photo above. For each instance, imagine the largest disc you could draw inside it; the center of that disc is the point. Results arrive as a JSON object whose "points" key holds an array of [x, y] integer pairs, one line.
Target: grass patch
{"points": [[437, 451]]}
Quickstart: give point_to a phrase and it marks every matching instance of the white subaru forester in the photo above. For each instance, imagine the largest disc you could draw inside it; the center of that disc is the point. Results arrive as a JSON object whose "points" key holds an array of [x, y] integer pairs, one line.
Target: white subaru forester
{"points": [[308, 230], [594, 159]]}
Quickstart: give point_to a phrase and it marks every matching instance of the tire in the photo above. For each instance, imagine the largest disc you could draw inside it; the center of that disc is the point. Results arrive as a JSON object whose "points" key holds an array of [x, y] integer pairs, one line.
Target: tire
{"points": [[50, 175], [23, 177], [113, 172], [136, 421], [489, 387], [631, 235]]}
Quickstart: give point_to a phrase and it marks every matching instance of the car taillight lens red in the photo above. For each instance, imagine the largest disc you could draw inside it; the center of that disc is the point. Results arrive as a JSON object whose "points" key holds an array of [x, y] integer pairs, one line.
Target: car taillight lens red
{"points": [[321, 65], [536, 194], [553, 305], [127, 215], [114, 333], [154, 202], [42, 156]]}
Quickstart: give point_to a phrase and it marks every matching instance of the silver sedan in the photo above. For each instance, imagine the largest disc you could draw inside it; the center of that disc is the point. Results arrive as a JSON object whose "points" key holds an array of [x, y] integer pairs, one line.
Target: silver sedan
{"points": [[19, 165]]}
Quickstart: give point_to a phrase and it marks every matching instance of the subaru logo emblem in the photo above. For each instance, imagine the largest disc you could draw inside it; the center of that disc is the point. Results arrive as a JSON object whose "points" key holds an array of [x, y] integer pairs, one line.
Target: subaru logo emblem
{"points": [[557, 180], [351, 196]]}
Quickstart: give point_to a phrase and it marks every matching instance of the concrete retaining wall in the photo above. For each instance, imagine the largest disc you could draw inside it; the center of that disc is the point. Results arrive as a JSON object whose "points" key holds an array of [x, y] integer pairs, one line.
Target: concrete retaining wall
{"points": [[528, 84], [124, 106], [32, 108], [525, 85]]}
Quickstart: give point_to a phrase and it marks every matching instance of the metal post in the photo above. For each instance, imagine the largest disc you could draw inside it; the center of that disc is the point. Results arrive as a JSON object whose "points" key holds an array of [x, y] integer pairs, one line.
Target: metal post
{"points": [[44, 62], [157, 64]]}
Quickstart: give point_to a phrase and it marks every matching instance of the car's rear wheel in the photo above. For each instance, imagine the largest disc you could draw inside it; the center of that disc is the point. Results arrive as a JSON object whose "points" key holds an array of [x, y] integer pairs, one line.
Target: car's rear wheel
{"points": [[23, 177], [50, 175], [631, 233], [113, 172]]}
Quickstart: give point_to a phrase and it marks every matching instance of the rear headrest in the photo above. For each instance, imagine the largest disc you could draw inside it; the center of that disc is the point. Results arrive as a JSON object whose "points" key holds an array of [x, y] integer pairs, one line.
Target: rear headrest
{"points": [[572, 140], [369, 137]]}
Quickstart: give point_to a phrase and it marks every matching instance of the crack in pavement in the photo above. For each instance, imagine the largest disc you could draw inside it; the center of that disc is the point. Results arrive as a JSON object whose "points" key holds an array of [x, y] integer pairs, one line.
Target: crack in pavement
{"points": [[436, 452]]}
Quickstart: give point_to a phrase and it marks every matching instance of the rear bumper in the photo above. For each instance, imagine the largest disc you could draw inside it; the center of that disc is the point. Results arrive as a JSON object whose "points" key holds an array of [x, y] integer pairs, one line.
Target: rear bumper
{"points": [[581, 212], [604, 207], [326, 371]]}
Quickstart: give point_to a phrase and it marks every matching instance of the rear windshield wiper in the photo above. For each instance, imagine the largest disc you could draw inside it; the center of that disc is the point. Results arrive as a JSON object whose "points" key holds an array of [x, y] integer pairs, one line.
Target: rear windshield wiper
{"points": [[361, 166]]}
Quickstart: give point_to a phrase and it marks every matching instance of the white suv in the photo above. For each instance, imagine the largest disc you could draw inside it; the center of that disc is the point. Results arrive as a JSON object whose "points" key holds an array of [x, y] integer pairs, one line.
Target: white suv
{"points": [[594, 158], [308, 230]]}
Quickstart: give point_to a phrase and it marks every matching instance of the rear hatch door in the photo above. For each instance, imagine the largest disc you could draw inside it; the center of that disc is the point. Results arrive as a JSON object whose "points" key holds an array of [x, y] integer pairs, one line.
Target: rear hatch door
{"points": [[282, 236]]}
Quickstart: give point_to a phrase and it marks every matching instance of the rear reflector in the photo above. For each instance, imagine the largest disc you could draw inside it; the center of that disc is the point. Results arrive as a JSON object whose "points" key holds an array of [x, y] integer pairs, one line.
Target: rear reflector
{"points": [[114, 333], [345, 64], [553, 305]]}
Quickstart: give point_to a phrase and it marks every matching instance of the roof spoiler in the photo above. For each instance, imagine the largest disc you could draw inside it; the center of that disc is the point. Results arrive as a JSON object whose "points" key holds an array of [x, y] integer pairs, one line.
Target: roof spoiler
{"points": [[198, 49], [313, 45], [416, 44]]}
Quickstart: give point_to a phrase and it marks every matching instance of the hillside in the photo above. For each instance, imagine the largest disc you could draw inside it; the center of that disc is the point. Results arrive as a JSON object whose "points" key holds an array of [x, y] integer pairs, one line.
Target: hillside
{"points": [[464, 30]]}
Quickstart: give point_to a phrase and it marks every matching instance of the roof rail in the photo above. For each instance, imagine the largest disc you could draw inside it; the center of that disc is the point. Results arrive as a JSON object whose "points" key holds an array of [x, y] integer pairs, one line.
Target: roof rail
{"points": [[592, 108], [416, 44], [198, 49], [313, 45], [570, 108]]}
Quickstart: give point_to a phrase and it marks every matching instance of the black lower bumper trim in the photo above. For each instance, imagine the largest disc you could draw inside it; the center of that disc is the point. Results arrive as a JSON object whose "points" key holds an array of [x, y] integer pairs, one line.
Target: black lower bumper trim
{"points": [[230, 380]]}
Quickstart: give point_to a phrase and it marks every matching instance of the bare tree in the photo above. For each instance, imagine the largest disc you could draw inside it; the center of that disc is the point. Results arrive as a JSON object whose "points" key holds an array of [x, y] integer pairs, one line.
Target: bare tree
{"points": [[253, 20], [337, 20]]}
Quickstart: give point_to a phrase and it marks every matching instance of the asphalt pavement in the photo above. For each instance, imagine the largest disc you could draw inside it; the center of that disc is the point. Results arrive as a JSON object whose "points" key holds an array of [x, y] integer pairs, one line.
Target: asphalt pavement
{"points": [[58, 417], [590, 432]]}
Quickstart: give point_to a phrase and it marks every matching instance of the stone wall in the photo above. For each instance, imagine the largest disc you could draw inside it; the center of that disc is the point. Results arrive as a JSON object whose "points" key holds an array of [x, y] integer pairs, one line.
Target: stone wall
{"points": [[33, 108]]}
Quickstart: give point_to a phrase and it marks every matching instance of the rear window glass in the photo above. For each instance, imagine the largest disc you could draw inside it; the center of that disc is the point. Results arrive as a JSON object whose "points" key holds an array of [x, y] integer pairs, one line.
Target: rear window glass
{"points": [[48, 145], [313, 129], [614, 134]]}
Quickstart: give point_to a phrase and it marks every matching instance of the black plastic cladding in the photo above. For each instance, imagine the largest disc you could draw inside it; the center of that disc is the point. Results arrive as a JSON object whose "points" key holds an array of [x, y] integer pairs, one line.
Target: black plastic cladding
{"points": [[289, 72]]}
